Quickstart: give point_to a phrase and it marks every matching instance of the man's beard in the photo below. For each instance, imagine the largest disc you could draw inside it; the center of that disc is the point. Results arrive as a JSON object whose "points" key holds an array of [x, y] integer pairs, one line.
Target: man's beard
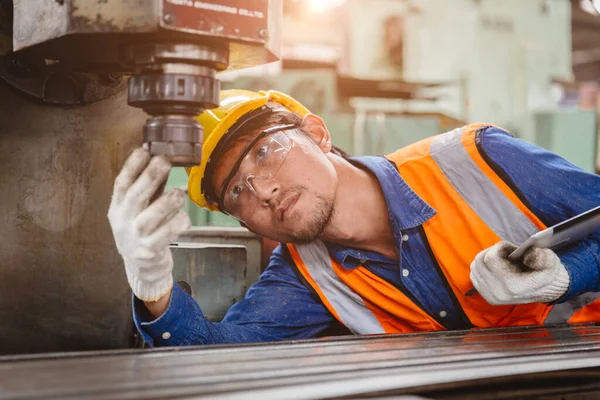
{"points": [[317, 221]]}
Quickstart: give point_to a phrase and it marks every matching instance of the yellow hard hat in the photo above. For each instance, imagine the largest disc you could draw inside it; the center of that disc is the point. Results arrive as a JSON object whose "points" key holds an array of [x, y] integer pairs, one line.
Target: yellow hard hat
{"points": [[234, 105]]}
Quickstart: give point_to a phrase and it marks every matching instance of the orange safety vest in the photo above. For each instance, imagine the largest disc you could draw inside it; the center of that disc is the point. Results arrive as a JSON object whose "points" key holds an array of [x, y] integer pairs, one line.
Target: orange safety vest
{"points": [[475, 209]]}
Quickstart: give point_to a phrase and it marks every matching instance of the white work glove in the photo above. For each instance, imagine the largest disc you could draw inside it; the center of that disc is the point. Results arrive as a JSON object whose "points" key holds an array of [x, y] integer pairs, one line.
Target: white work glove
{"points": [[540, 278], [142, 230]]}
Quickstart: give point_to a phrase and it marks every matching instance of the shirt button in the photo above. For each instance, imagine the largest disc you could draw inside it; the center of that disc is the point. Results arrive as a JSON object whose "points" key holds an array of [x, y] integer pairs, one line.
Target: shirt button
{"points": [[443, 314], [405, 273], [405, 238], [166, 335]]}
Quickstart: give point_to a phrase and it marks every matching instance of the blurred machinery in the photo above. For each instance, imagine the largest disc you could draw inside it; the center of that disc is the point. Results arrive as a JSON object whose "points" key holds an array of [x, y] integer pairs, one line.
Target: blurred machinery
{"points": [[485, 60], [356, 129], [503, 57], [219, 264], [570, 134], [65, 132]]}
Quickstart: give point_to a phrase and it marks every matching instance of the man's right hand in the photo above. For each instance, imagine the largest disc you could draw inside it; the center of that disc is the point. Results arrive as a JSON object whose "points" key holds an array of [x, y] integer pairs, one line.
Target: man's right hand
{"points": [[142, 230]]}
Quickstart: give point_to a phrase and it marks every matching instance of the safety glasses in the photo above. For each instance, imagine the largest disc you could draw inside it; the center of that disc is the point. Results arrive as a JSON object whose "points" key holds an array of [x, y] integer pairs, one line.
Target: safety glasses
{"points": [[260, 163]]}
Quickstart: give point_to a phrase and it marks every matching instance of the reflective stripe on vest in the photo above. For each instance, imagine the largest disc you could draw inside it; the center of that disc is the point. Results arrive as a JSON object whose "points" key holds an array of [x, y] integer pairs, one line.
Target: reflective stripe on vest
{"points": [[563, 312], [481, 194], [348, 305]]}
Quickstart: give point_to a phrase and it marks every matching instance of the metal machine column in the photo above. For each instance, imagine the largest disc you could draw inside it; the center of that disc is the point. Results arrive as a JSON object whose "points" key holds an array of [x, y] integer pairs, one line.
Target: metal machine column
{"points": [[68, 69]]}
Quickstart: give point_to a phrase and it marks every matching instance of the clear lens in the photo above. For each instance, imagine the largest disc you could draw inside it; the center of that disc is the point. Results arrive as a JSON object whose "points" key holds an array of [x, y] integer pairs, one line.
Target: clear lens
{"points": [[262, 163]]}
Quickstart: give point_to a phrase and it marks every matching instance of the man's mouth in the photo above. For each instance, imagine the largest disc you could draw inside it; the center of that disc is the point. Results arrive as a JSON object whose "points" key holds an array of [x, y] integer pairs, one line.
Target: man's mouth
{"points": [[285, 205]]}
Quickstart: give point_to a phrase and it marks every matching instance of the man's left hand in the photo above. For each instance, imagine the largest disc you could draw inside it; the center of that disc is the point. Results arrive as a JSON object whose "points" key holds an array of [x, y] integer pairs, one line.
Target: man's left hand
{"points": [[539, 278]]}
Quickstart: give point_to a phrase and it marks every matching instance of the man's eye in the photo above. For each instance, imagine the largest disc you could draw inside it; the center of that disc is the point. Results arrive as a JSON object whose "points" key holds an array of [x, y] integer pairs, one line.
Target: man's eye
{"points": [[261, 152], [237, 190]]}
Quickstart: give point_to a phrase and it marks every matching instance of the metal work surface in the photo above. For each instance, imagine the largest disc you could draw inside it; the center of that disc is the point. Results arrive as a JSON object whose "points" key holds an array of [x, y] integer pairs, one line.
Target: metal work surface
{"points": [[312, 369]]}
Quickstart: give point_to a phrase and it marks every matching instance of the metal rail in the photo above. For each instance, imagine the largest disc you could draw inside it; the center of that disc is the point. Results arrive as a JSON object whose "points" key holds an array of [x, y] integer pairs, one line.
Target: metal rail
{"points": [[303, 369]]}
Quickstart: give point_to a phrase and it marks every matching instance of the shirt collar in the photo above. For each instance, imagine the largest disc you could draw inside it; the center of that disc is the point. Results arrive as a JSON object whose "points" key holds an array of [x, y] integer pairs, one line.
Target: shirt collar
{"points": [[406, 209]]}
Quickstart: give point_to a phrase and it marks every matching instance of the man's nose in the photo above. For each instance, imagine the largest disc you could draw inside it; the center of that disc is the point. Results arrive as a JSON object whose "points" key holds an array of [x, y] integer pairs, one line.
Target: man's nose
{"points": [[266, 189]]}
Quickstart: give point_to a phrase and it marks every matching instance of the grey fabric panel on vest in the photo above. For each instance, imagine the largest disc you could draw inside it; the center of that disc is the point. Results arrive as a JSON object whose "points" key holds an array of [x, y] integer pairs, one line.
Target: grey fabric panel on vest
{"points": [[561, 313], [480, 193], [348, 305]]}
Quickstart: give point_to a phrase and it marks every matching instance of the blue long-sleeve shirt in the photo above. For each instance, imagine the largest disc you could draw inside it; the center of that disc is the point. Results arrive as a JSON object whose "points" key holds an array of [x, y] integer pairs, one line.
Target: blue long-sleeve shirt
{"points": [[279, 306]]}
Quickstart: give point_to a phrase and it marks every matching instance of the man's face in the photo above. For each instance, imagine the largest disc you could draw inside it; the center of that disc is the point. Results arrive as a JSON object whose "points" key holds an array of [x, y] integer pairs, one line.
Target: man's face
{"points": [[291, 202]]}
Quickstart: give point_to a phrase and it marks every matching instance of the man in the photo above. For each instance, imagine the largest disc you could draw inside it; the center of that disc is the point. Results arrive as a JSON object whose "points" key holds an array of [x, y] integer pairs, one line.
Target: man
{"points": [[374, 244]]}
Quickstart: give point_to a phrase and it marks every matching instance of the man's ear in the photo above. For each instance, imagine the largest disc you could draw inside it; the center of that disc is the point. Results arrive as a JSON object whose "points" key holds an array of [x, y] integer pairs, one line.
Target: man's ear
{"points": [[316, 129]]}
